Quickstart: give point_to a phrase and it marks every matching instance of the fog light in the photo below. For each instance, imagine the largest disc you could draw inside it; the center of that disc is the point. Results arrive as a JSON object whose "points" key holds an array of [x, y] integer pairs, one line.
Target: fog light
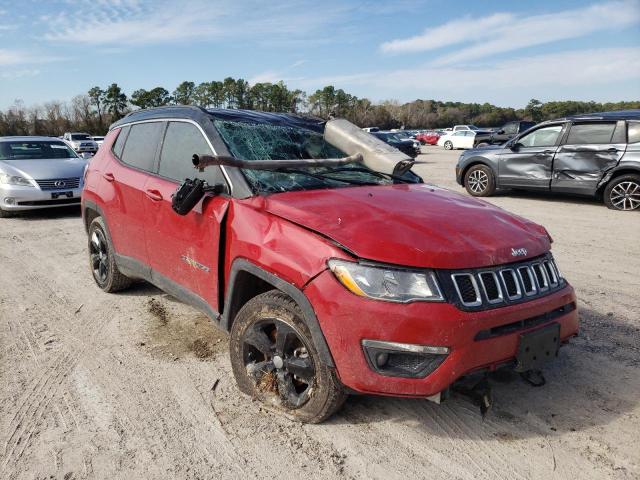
{"points": [[9, 201], [403, 360]]}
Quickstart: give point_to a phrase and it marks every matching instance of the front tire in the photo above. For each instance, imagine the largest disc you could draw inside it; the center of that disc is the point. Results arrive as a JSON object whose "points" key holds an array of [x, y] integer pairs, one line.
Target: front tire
{"points": [[479, 181], [275, 360], [102, 259], [5, 214], [448, 145], [623, 193]]}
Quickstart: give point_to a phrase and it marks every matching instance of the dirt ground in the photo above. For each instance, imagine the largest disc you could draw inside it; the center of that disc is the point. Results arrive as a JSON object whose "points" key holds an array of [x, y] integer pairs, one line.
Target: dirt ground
{"points": [[138, 385]]}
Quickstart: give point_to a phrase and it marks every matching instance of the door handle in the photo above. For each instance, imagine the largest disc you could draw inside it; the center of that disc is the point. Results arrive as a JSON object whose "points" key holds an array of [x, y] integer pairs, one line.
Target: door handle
{"points": [[544, 154], [108, 177], [154, 195], [612, 150]]}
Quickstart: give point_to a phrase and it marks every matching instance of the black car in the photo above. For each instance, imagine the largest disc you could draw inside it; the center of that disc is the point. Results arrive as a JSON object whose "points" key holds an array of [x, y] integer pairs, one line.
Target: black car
{"points": [[507, 132], [405, 145], [595, 154]]}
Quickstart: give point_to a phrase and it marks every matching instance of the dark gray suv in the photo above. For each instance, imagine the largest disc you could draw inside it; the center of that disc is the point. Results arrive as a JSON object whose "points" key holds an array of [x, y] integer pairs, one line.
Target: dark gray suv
{"points": [[596, 155]]}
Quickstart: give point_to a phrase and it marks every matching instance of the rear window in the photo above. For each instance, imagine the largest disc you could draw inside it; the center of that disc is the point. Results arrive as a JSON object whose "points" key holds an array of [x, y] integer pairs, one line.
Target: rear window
{"points": [[18, 150], [181, 141], [140, 147], [634, 132], [590, 133]]}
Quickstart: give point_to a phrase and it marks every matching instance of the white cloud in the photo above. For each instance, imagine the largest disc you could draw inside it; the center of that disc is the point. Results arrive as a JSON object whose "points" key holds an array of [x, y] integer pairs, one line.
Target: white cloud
{"points": [[30, 72], [525, 76], [19, 57], [129, 23], [505, 32]]}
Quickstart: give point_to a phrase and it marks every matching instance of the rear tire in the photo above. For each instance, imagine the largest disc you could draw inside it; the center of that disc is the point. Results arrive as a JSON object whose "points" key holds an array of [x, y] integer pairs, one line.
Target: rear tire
{"points": [[623, 193], [448, 145], [102, 260], [479, 181], [275, 360]]}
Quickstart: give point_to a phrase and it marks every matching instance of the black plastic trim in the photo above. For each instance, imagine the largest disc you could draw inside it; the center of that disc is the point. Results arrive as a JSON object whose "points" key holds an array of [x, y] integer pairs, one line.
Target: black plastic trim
{"points": [[243, 265]]}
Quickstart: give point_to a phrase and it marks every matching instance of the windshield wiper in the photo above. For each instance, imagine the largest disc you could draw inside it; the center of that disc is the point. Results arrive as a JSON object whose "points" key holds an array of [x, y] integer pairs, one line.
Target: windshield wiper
{"points": [[321, 175], [372, 172]]}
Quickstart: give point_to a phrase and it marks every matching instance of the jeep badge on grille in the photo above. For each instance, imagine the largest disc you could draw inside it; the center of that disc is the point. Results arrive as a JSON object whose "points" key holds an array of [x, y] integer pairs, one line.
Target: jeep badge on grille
{"points": [[519, 252]]}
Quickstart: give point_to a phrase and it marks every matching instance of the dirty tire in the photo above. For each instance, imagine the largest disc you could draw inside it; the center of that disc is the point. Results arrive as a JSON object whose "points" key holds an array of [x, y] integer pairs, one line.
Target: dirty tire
{"points": [[448, 145], [623, 193], [262, 321], [102, 259], [479, 181]]}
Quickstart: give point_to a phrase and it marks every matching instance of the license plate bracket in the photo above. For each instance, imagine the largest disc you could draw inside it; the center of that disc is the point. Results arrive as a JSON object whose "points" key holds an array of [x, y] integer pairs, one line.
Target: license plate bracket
{"points": [[538, 347], [56, 195]]}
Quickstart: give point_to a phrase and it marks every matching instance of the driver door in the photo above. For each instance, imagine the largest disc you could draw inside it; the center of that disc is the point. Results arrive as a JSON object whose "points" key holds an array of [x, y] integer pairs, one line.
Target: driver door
{"points": [[528, 161], [184, 250]]}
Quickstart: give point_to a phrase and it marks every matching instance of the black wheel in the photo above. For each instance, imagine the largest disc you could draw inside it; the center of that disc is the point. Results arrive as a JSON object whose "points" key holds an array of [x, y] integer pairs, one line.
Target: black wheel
{"points": [[482, 144], [479, 181], [274, 359], [5, 214], [623, 193], [448, 145], [102, 260]]}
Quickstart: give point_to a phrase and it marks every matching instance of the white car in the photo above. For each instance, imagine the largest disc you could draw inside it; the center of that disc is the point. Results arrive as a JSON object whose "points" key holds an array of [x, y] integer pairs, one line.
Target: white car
{"points": [[98, 140], [459, 139], [81, 142]]}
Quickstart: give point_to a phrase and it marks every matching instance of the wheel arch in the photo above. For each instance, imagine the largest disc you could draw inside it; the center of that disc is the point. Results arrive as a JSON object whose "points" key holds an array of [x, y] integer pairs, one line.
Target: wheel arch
{"points": [[628, 169], [247, 280], [473, 162]]}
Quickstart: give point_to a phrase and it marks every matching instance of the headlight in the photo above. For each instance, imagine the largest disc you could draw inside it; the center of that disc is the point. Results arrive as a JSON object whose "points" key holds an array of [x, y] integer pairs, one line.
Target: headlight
{"points": [[14, 180], [385, 283]]}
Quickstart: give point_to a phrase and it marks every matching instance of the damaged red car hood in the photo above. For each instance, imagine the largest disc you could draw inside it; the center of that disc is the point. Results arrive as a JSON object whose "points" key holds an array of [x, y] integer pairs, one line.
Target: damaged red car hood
{"points": [[414, 225]]}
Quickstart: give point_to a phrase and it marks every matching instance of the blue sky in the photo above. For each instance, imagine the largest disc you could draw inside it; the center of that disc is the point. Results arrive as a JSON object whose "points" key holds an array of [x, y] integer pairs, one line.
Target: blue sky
{"points": [[503, 52]]}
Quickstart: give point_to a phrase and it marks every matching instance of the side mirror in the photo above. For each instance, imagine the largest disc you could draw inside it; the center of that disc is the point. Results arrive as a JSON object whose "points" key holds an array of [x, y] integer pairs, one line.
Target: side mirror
{"points": [[501, 132], [187, 196], [514, 145]]}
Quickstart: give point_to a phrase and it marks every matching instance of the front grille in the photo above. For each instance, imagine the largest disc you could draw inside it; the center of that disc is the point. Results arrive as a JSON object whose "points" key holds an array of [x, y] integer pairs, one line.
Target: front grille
{"points": [[498, 286], [59, 183]]}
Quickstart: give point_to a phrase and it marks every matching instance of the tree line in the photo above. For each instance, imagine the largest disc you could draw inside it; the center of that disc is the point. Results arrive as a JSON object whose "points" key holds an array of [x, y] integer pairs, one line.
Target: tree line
{"points": [[94, 111]]}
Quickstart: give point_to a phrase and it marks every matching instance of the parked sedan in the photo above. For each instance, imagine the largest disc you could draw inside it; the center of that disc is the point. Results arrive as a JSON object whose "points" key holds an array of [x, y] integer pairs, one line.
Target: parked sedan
{"points": [[429, 137], [38, 172], [405, 145], [595, 155]]}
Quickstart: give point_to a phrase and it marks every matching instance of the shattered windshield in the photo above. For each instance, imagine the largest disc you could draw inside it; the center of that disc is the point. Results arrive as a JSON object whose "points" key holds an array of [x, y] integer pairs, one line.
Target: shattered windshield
{"points": [[263, 141]]}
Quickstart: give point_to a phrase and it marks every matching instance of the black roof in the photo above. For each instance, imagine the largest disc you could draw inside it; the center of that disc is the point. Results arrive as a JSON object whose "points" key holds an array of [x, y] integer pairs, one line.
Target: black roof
{"points": [[199, 114]]}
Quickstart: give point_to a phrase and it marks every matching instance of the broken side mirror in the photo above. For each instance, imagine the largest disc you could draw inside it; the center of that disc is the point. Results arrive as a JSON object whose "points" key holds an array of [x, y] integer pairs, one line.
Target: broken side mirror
{"points": [[190, 193]]}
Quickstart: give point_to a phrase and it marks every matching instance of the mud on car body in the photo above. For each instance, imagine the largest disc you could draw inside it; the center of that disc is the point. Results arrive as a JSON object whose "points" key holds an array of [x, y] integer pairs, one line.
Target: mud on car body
{"points": [[351, 276], [595, 155]]}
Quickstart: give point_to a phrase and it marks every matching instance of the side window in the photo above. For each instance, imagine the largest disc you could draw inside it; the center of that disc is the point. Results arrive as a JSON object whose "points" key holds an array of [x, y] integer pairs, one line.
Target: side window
{"points": [[181, 141], [118, 145], [140, 147], [582, 133], [460, 133], [542, 137], [634, 132], [511, 128]]}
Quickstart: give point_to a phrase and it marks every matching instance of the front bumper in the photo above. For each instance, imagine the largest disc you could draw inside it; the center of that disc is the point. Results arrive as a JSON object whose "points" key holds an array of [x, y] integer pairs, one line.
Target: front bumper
{"points": [[346, 320], [15, 198]]}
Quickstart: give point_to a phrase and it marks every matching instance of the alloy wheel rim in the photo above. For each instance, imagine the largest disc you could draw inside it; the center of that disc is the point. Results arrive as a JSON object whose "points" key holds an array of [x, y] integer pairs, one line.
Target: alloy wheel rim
{"points": [[478, 181], [99, 256], [626, 195], [448, 145], [277, 359]]}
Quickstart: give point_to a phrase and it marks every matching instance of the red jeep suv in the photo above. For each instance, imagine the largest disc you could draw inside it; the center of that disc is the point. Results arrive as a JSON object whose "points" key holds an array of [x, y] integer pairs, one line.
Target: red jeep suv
{"points": [[335, 269]]}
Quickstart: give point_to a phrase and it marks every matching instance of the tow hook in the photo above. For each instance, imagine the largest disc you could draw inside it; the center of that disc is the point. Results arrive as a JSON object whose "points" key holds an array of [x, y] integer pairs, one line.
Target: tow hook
{"points": [[478, 391]]}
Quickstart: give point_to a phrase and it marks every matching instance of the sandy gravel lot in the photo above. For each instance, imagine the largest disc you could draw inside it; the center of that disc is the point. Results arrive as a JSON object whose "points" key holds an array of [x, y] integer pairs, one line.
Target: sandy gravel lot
{"points": [[137, 385]]}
